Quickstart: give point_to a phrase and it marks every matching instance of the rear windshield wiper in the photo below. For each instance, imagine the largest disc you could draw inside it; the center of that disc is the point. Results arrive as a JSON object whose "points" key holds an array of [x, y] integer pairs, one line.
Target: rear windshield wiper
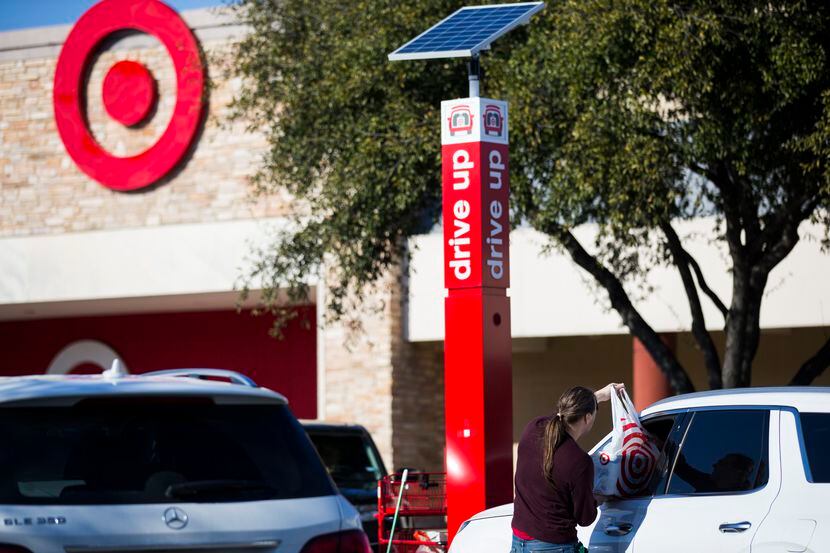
{"points": [[215, 487]]}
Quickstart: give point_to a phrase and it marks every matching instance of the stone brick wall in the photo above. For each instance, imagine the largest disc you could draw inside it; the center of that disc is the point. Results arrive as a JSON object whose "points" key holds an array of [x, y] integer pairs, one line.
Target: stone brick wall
{"points": [[418, 406], [417, 394], [42, 191], [376, 378], [357, 369]]}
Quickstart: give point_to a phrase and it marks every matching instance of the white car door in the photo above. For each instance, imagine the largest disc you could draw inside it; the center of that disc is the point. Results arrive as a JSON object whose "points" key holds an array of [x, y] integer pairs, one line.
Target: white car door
{"points": [[799, 520], [619, 519], [720, 487]]}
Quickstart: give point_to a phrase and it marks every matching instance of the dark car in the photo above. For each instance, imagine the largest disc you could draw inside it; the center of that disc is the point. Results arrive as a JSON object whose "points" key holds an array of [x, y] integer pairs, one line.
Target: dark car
{"points": [[355, 465]]}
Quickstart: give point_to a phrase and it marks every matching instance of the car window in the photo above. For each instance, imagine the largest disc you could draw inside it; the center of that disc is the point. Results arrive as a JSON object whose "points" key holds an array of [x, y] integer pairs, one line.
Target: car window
{"points": [[663, 430], [666, 431], [722, 452], [155, 450], [349, 457], [816, 430]]}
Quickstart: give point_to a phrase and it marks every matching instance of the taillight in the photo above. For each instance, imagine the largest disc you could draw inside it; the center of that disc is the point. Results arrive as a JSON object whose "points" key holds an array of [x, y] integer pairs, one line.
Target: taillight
{"points": [[351, 541]]}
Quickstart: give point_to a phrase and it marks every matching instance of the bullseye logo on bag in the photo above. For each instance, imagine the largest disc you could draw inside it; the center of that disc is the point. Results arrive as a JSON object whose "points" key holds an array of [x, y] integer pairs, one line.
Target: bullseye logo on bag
{"points": [[638, 459], [129, 92]]}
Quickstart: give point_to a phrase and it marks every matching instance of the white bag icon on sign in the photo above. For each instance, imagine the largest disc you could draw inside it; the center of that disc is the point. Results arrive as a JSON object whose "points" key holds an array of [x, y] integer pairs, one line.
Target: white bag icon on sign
{"points": [[624, 465]]}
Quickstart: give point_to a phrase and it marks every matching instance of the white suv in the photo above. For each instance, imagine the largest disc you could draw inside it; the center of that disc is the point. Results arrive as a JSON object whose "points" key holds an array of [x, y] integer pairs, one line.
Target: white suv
{"points": [[162, 463], [740, 470]]}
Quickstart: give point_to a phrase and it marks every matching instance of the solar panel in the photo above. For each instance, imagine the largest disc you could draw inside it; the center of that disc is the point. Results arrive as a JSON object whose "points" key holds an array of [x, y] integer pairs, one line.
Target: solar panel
{"points": [[467, 31]]}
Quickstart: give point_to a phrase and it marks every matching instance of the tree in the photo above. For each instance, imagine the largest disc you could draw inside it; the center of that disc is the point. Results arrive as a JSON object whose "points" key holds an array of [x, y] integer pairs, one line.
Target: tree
{"points": [[629, 114]]}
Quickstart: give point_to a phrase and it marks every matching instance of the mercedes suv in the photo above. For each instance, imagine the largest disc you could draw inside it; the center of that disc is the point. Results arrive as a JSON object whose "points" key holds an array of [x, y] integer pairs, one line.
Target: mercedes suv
{"points": [[183, 461]]}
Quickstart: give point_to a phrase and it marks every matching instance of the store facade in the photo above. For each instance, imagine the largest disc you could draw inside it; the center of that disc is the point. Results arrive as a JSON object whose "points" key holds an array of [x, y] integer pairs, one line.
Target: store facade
{"points": [[101, 264]]}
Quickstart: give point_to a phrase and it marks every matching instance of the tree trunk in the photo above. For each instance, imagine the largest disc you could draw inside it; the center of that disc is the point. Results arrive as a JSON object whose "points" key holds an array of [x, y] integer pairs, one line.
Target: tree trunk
{"points": [[662, 355], [743, 327]]}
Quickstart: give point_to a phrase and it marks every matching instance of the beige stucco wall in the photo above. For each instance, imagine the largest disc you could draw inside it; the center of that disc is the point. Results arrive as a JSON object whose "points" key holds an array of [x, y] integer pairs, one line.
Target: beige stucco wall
{"points": [[780, 353]]}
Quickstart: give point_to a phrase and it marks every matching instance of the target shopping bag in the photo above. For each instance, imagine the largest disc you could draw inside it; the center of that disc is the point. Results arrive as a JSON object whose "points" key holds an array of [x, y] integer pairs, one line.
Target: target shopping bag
{"points": [[624, 465]]}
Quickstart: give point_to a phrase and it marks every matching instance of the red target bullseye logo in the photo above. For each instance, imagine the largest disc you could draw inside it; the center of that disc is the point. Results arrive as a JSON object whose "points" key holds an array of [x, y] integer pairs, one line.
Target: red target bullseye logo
{"points": [[637, 461], [129, 92]]}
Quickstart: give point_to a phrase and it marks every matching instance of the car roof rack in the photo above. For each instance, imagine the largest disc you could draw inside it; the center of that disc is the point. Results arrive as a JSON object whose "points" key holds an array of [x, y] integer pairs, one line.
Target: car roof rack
{"points": [[203, 374]]}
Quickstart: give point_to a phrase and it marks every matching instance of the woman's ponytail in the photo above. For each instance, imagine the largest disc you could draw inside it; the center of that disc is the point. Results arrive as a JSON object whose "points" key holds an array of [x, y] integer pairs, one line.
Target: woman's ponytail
{"points": [[554, 434], [572, 406]]}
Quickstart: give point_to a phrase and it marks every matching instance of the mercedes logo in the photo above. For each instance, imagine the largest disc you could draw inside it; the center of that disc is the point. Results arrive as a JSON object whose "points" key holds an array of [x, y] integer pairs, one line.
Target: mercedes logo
{"points": [[175, 518]]}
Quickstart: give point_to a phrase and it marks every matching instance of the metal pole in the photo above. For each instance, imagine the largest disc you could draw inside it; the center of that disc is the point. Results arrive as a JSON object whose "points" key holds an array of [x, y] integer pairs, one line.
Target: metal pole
{"points": [[397, 509], [474, 72]]}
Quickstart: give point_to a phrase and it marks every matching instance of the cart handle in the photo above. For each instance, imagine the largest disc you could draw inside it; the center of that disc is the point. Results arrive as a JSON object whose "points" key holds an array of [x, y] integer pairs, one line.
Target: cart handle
{"points": [[397, 508]]}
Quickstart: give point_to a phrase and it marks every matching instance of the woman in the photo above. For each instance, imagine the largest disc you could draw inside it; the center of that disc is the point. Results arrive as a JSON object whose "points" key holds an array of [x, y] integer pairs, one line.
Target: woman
{"points": [[555, 477]]}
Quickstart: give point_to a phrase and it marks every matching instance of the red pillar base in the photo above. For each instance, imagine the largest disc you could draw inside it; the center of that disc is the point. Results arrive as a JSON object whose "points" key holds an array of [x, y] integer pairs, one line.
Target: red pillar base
{"points": [[478, 403], [650, 384]]}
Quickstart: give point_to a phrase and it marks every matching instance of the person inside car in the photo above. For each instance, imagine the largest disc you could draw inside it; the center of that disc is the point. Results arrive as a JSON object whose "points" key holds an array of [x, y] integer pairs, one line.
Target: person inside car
{"points": [[731, 473]]}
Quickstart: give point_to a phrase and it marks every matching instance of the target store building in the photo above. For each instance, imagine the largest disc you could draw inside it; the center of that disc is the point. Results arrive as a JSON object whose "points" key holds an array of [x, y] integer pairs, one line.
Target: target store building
{"points": [[126, 222]]}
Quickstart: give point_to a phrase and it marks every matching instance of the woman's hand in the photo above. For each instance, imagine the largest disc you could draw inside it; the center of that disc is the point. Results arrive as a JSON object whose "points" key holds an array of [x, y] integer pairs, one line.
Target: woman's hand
{"points": [[605, 393]]}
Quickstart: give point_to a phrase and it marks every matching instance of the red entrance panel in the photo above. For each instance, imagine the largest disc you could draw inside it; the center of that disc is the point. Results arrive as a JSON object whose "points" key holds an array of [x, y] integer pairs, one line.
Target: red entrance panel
{"points": [[477, 350], [156, 341]]}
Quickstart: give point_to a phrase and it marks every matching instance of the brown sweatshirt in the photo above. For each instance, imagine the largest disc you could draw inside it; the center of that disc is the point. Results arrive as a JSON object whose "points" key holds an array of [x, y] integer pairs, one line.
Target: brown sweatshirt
{"points": [[543, 511]]}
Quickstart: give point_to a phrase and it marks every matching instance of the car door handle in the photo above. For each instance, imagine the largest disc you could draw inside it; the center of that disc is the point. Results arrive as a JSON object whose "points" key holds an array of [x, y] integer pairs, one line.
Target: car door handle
{"points": [[735, 527], [618, 528]]}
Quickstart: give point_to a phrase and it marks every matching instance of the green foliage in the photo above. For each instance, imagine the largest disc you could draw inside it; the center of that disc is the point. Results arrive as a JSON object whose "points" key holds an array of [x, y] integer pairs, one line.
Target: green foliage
{"points": [[352, 136], [618, 106], [625, 113]]}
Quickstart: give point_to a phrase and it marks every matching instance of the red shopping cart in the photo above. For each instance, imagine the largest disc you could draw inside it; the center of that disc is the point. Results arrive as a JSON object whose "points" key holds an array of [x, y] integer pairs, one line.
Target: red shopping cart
{"points": [[415, 496]]}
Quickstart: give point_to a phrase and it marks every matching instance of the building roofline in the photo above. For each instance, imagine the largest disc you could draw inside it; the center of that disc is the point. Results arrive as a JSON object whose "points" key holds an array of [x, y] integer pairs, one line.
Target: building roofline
{"points": [[208, 24]]}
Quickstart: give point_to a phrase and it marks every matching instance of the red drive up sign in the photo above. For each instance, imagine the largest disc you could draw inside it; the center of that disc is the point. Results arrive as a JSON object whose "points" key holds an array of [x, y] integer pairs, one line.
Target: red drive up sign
{"points": [[476, 189], [477, 347]]}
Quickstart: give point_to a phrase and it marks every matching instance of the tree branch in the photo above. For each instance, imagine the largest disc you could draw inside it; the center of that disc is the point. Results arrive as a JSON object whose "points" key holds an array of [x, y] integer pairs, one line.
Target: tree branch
{"points": [[813, 367], [777, 251], [705, 288], [702, 337], [662, 355], [786, 227]]}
